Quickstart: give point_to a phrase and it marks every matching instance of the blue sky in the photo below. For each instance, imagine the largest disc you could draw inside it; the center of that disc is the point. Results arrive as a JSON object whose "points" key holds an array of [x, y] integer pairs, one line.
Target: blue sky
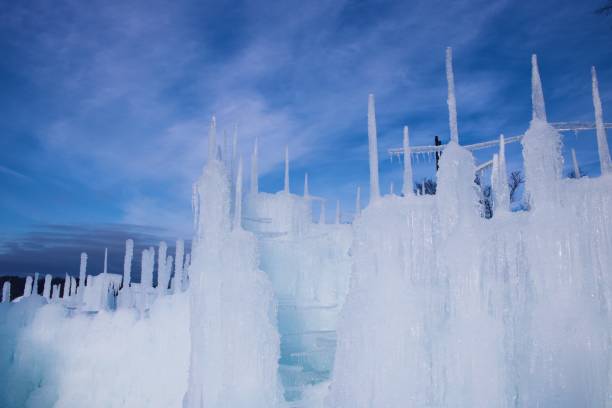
{"points": [[105, 105]]}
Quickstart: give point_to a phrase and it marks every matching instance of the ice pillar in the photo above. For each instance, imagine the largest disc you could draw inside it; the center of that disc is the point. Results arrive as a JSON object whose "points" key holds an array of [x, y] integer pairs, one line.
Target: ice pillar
{"points": [[407, 187], [127, 263], [575, 165], [602, 141], [82, 272], [6, 292], [47, 287], [286, 184], [451, 101], [238, 199], [373, 150]]}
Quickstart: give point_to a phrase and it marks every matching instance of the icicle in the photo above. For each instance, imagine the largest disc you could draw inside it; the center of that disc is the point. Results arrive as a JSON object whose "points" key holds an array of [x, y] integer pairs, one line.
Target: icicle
{"points": [[337, 220], [358, 202], [47, 287], [254, 176], [127, 263], [6, 292], [238, 200], [373, 150], [286, 187], [162, 268], [322, 213], [602, 140], [178, 266], [35, 285], [73, 285], [537, 95], [407, 187], [306, 190], [82, 272], [575, 164], [212, 139], [451, 101], [391, 188]]}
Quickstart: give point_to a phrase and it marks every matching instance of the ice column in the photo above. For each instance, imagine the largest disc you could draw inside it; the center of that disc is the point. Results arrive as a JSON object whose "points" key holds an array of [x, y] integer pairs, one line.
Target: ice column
{"points": [[306, 190], [373, 150], [47, 287], [407, 187], [501, 190], [238, 199], [254, 176], [286, 186], [234, 344], [602, 140], [451, 101], [6, 292], [575, 165], [35, 286], [105, 261], [212, 139], [67, 284], [162, 268], [146, 274], [358, 201], [322, 213], [178, 266], [541, 151], [82, 272], [337, 220], [127, 263], [27, 290]]}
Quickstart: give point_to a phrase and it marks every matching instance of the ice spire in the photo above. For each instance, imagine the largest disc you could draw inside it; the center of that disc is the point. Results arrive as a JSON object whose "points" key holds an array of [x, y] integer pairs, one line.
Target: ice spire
{"points": [[575, 164], [178, 266], [407, 187], [286, 187], [82, 271], [306, 190], [6, 292], [105, 271], [451, 101], [47, 287], [501, 189], [322, 213], [238, 200], [254, 176], [337, 220], [602, 141], [73, 285], [358, 201], [373, 150], [537, 95], [127, 262], [212, 139], [27, 289], [162, 267], [35, 286]]}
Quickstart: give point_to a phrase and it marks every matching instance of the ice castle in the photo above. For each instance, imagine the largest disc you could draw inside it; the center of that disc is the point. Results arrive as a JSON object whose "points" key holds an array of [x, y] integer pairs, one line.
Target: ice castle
{"points": [[420, 301]]}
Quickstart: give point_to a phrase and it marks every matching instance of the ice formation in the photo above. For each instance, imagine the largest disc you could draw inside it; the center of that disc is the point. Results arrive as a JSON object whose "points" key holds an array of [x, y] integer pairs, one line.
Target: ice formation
{"points": [[451, 101], [602, 139], [419, 302]]}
